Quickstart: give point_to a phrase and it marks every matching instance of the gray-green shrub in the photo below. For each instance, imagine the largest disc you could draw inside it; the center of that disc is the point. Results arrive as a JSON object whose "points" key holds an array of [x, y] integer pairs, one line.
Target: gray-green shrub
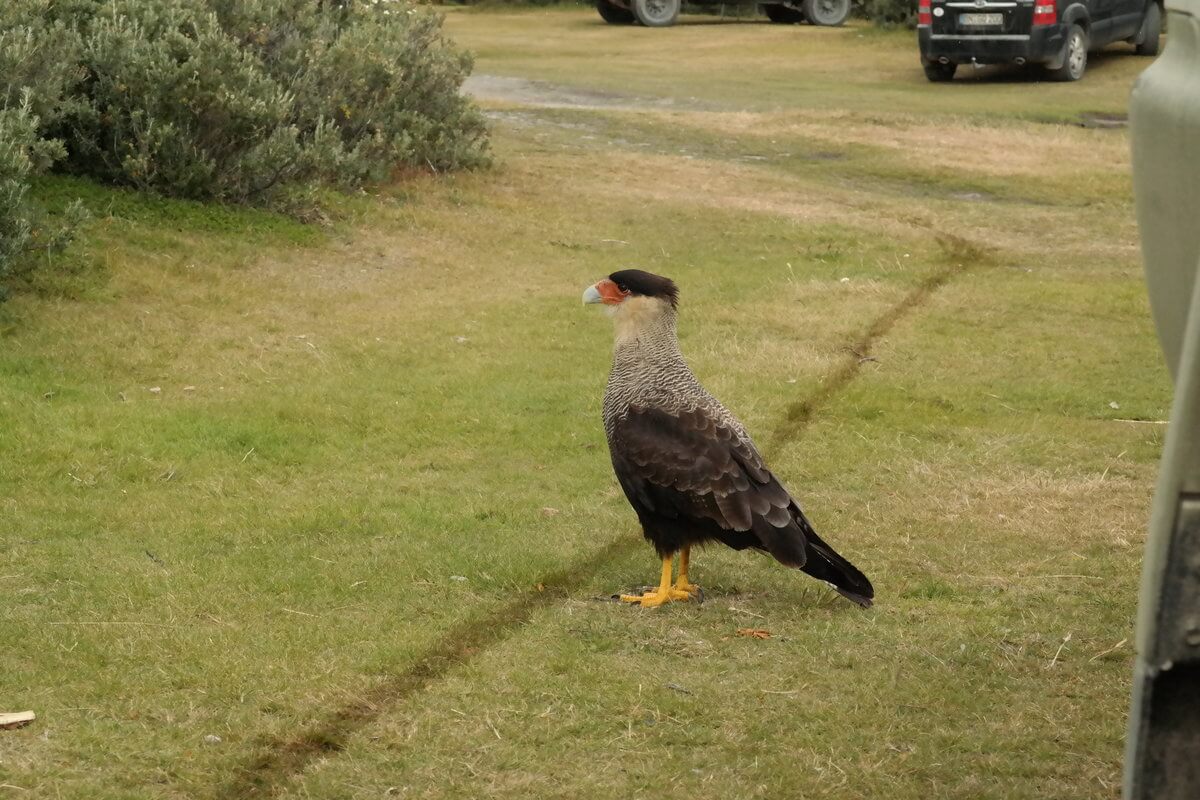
{"points": [[253, 101], [18, 135], [258, 101], [38, 67]]}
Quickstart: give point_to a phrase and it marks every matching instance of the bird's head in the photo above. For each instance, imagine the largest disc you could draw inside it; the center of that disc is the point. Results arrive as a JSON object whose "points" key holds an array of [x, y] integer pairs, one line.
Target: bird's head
{"points": [[633, 296]]}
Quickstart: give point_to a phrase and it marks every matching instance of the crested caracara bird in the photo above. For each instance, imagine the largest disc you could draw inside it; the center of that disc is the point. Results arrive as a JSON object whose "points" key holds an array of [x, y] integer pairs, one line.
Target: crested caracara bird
{"points": [[686, 464]]}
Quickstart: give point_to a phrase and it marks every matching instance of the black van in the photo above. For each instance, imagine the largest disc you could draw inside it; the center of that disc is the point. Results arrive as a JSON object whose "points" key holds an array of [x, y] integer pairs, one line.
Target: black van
{"points": [[1055, 33]]}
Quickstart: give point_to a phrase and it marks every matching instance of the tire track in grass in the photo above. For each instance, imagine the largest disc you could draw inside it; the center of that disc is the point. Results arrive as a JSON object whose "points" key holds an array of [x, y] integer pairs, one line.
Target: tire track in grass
{"points": [[798, 415], [279, 760]]}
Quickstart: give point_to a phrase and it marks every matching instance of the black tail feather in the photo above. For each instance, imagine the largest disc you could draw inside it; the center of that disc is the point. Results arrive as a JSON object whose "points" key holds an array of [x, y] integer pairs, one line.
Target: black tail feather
{"points": [[824, 563]]}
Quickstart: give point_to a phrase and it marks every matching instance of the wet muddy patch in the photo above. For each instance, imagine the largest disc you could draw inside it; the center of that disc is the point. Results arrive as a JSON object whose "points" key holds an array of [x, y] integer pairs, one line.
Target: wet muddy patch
{"points": [[1102, 119], [542, 94]]}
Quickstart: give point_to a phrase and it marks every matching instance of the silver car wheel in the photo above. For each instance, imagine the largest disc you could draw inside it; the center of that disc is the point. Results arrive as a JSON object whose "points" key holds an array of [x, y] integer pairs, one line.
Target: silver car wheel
{"points": [[656, 13], [1077, 54], [827, 12]]}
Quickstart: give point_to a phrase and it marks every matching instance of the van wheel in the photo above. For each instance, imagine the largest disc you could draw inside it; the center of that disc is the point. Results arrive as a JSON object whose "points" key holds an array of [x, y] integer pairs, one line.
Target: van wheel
{"points": [[1075, 60], [826, 12], [656, 13], [613, 14], [1146, 43], [939, 73]]}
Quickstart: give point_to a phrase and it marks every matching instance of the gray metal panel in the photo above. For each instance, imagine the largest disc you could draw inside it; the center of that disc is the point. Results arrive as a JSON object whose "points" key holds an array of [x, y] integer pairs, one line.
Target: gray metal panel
{"points": [[1163, 751]]}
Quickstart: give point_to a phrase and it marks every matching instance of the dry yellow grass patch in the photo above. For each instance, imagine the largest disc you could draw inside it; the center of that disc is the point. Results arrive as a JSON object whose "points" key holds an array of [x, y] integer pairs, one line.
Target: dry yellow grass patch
{"points": [[996, 147], [905, 208], [724, 186]]}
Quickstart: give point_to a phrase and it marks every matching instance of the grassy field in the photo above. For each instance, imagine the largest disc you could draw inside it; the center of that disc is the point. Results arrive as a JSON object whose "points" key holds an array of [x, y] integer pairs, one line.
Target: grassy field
{"points": [[296, 513]]}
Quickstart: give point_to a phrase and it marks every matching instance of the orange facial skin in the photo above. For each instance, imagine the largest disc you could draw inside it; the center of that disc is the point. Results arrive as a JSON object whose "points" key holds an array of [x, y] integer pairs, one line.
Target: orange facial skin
{"points": [[610, 293]]}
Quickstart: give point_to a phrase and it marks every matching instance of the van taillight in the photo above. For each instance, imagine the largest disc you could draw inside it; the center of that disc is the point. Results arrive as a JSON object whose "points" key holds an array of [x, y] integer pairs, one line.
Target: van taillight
{"points": [[1044, 13], [924, 15]]}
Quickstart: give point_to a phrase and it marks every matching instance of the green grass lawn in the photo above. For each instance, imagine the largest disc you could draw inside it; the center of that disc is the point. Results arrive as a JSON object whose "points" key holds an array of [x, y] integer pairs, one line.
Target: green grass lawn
{"points": [[288, 512]]}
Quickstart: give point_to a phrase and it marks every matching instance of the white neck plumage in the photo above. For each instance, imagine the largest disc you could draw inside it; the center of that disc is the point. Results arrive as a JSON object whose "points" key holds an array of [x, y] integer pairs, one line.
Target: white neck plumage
{"points": [[647, 320]]}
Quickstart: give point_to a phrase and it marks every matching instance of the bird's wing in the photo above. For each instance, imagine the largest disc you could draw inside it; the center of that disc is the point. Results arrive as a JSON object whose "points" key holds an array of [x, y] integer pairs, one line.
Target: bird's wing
{"points": [[693, 464]]}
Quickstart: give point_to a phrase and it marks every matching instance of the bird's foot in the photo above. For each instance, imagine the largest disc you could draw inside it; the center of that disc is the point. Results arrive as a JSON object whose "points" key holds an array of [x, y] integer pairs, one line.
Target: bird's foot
{"points": [[690, 589], [657, 597]]}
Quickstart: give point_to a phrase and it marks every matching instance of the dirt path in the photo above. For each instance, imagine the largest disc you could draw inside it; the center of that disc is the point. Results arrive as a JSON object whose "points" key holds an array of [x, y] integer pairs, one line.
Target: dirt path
{"points": [[543, 94]]}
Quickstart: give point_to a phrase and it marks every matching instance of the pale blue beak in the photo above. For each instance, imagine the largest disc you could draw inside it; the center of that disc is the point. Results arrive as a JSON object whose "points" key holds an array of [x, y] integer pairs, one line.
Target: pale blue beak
{"points": [[592, 295]]}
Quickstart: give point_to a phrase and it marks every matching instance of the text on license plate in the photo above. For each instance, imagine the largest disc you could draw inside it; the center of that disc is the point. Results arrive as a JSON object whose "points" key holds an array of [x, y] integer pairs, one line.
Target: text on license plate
{"points": [[980, 19]]}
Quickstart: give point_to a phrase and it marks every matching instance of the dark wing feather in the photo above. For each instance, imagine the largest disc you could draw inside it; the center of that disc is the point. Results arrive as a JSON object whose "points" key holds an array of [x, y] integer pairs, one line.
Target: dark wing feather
{"points": [[691, 466], [690, 477]]}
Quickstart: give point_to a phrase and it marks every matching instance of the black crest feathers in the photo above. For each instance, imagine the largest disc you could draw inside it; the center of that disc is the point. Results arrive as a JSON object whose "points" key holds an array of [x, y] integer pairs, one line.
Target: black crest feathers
{"points": [[640, 282]]}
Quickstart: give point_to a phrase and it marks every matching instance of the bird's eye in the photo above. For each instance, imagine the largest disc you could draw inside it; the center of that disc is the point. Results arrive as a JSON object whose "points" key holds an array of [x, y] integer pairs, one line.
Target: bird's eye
{"points": [[621, 286]]}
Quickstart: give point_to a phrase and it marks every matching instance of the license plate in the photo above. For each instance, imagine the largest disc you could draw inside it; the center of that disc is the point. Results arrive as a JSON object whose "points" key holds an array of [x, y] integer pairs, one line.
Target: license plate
{"points": [[980, 19]]}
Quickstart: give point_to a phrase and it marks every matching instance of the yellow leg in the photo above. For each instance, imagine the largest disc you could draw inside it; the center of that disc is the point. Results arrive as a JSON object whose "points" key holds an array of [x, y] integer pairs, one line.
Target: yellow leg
{"points": [[665, 592], [681, 583]]}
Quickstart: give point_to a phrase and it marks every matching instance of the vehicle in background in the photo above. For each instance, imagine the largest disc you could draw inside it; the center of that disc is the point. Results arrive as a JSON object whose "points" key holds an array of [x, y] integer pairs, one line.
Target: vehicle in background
{"points": [[1057, 34], [661, 13]]}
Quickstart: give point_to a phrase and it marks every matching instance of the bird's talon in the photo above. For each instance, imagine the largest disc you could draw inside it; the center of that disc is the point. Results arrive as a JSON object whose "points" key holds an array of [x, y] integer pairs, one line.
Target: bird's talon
{"points": [[657, 598], [649, 599]]}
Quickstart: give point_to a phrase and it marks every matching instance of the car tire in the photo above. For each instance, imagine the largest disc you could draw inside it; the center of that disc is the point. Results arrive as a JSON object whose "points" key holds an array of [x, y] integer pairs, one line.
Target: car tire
{"points": [[939, 73], [829, 13], [656, 13], [1147, 38], [1075, 59], [613, 14], [784, 15]]}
